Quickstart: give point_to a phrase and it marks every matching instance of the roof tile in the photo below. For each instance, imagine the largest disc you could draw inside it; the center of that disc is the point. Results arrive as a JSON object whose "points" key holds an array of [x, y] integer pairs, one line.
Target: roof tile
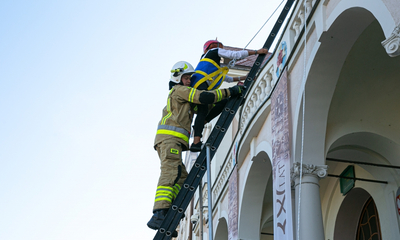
{"points": [[246, 62]]}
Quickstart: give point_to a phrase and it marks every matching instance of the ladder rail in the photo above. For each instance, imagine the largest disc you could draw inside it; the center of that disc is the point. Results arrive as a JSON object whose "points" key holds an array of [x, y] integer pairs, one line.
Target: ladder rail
{"points": [[199, 168]]}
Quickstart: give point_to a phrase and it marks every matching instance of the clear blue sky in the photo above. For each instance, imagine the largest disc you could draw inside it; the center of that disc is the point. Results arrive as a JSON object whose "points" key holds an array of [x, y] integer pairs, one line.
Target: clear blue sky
{"points": [[82, 86]]}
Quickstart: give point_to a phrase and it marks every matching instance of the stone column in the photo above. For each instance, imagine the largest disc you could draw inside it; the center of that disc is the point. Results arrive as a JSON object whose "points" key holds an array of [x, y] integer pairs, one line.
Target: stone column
{"points": [[311, 225], [392, 43]]}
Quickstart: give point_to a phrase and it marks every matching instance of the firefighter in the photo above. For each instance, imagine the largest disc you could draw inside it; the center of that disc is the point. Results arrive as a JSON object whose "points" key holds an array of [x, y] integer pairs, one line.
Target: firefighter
{"points": [[173, 134], [208, 76]]}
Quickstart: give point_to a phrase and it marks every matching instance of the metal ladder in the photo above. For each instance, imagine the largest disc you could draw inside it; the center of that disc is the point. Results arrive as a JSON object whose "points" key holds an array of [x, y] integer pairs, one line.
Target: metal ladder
{"points": [[199, 168]]}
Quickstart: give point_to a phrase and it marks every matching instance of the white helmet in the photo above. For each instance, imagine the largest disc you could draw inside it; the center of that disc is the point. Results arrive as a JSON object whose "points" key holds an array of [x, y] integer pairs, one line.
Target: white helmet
{"points": [[179, 69]]}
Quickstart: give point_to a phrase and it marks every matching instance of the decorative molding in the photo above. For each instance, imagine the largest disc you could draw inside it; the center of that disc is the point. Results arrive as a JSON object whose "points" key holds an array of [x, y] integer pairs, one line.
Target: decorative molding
{"points": [[319, 171], [309, 5], [205, 192], [222, 179], [300, 15], [296, 28], [260, 92], [392, 43]]}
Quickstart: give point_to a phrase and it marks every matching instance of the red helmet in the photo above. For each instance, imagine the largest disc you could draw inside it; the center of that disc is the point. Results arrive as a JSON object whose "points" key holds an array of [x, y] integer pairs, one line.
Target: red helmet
{"points": [[208, 43]]}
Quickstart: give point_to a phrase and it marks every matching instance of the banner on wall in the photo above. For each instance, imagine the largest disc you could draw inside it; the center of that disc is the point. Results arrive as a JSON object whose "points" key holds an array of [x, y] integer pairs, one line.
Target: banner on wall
{"points": [[283, 223], [233, 206]]}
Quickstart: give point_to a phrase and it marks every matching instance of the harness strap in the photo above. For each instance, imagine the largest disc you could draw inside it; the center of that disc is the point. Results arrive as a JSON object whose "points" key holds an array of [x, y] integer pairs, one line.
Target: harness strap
{"points": [[221, 73]]}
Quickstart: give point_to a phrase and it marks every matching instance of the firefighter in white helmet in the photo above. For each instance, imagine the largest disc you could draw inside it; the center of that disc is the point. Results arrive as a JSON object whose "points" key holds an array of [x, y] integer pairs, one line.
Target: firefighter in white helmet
{"points": [[173, 134], [178, 70]]}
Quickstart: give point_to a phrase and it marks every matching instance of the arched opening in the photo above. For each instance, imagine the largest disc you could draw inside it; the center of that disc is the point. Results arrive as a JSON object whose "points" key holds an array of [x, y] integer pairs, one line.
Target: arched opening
{"points": [[221, 232], [362, 125], [252, 210], [267, 218], [366, 94], [325, 70], [348, 217], [344, 212]]}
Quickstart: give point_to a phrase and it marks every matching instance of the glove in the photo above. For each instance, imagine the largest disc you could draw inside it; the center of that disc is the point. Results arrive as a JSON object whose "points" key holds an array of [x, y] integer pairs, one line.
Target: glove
{"points": [[236, 91]]}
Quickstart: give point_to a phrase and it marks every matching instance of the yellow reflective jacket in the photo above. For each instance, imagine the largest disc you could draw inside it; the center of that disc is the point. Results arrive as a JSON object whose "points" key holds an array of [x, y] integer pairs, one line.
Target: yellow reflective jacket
{"points": [[178, 114]]}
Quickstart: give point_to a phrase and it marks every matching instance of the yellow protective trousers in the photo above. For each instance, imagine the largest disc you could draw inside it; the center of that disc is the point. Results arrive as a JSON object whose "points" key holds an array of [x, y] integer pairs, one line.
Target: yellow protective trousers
{"points": [[173, 173]]}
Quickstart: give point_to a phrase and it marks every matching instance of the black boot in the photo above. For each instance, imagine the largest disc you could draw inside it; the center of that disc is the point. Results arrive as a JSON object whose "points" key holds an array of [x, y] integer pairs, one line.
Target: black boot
{"points": [[196, 147], [157, 219]]}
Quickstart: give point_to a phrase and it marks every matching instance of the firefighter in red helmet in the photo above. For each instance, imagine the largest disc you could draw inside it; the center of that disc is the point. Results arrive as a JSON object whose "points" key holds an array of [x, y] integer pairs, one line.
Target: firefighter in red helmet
{"points": [[208, 76]]}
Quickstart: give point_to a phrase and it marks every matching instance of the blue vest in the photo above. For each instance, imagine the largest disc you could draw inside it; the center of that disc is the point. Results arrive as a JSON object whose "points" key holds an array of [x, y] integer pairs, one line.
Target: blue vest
{"points": [[209, 70]]}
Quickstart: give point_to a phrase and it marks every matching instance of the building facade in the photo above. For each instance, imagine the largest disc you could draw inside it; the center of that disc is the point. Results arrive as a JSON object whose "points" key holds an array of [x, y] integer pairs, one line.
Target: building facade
{"points": [[325, 104]]}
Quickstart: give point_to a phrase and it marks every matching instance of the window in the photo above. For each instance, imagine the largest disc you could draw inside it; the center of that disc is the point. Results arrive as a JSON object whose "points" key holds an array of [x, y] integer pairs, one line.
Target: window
{"points": [[368, 226]]}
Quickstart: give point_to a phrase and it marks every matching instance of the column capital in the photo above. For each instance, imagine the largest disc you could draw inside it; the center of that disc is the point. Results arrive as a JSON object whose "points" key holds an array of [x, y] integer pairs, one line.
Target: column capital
{"points": [[392, 43], [308, 201], [318, 171]]}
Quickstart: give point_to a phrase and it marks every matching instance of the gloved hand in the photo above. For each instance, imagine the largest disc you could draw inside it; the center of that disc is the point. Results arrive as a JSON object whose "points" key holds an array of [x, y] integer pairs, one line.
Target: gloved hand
{"points": [[236, 90]]}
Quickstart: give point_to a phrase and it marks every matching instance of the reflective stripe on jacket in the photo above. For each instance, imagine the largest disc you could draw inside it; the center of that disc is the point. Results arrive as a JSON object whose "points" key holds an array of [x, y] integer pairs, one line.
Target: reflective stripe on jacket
{"points": [[178, 114], [174, 131]]}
